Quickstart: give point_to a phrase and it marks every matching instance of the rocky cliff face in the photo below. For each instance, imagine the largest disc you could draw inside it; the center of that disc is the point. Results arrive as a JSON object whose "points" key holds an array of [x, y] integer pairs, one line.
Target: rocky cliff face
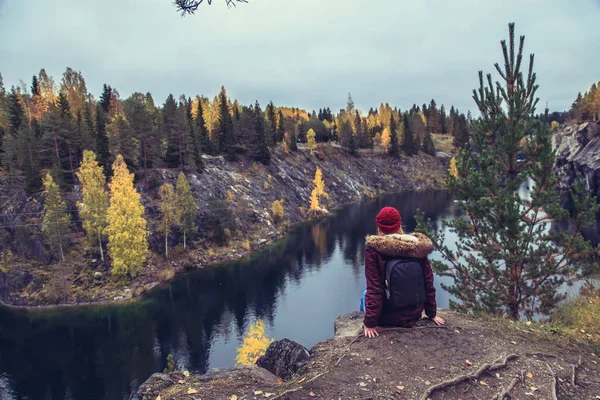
{"points": [[578, 153], [236, 196]]}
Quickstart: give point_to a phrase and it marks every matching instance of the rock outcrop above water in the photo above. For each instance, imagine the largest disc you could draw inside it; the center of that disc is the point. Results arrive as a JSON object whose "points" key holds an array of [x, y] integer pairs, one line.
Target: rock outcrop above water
{"points": [[578, 153], [418, 363]]}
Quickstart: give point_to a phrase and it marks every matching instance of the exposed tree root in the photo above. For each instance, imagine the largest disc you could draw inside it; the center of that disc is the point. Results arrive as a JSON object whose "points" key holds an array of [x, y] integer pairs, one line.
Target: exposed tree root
{"points": [[574, 372], [506, 391], [553, 388], [498, 364]]}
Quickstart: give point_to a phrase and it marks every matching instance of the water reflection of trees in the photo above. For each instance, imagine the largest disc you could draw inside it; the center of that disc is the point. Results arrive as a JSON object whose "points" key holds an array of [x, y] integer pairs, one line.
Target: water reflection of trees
{"points": [[104, 352]]}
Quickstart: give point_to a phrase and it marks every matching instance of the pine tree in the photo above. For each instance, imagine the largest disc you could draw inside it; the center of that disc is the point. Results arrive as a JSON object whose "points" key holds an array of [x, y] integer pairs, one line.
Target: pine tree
{"points": [[56, 220], [203, 138], [394, 149], [102, 148], [408, 144], [94, 205], [280, 133], [259, 142], [186, 207], [105, 98], [127, 243], [507, 259], [293, 145], [443, 120], [121, 140], [428, 146], [169, 131], [433, 118], [194, 143], [272, 124], [35, 86], [168, 211], [226, 140], [461, 132]]}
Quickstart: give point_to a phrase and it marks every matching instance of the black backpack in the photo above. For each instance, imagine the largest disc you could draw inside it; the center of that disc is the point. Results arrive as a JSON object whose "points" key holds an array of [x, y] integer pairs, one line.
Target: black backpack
{"points": [[404, 282]]}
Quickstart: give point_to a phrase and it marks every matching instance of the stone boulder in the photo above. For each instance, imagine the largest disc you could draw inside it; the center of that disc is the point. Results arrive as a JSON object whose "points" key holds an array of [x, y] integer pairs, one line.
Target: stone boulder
{"points": [[284, 358], [348, 325]]}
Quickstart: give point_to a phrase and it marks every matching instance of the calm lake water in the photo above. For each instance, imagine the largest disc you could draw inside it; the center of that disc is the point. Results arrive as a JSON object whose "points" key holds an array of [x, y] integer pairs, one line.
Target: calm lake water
{"points": [[298, 287]]}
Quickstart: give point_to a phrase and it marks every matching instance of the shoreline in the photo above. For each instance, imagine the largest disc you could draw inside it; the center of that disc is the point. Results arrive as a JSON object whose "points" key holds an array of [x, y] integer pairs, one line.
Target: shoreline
{"points": [[183, 265]]}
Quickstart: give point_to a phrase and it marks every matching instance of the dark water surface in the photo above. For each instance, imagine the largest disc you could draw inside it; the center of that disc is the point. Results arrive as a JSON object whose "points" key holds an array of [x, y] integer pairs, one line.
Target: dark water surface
{"points": [[298, 286]]}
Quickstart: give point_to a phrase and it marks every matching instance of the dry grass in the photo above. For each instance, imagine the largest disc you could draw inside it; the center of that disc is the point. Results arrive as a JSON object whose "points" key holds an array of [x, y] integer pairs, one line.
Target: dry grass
{"points": [[580, 318], [443, 142]]}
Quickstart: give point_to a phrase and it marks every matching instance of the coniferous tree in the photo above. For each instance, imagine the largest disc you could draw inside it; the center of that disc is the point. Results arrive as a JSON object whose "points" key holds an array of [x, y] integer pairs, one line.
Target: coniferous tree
{"points": [[94, 205], [121, 140], [260, 147], [272, 124], [433, 118], [126, 230], [461, 131], [408, 144], [280, 133], [168, 210], [428, 146], [226, 140], [206, 145], [186, 207], [169, 131], [56, 220], [105, 98], [394, 148], [102, 148], [507, 259], [293, 144], [194, 143], [443, 120], [35, 86]]}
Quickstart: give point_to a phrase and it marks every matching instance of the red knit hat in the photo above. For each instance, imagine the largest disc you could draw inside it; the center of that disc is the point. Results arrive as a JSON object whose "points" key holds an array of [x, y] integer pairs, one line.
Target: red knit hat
{"points": [[388, 220]]}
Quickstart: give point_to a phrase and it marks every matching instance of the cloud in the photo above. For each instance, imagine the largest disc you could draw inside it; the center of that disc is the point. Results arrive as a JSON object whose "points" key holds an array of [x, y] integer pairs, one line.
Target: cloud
{"points": [[307, 53]]}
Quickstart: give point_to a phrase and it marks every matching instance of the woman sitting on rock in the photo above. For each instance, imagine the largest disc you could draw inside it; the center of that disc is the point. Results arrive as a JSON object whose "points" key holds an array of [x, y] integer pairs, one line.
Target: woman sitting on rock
{"points": [[399, 276]]}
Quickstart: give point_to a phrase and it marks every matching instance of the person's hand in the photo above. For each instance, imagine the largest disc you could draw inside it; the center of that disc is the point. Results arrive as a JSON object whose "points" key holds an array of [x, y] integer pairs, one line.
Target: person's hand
{"points": [[438, 321], [370, 332]]}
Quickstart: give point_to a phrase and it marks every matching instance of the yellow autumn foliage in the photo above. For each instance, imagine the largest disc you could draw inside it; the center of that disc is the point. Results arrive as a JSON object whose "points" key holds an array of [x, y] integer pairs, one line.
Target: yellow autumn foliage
{"points": [[277, 211], [554, 125], [93, 207], [453, 170], [311, 139], [254, 345], [319, 183], [386, 139], [127, 242], [314, 201]]}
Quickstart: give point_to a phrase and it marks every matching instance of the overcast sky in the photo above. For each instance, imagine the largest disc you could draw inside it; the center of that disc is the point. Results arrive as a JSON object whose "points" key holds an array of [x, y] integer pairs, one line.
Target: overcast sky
{"points": [[307, 53]]}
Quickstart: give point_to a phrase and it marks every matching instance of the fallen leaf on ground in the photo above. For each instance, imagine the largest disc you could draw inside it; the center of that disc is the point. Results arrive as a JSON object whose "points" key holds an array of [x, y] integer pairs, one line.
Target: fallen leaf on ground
{"points": [[528, 323], [186, 373], [529, 374], [158, 398], [302, 380], [457, 331], [513, 342], [469, 363], [233, 397], [533, 388], [482, 383], [279, 381], [432, 367], [180, 381], [400, 387], [256, 393], [191, 391], [311, 394], [269, 394], [362, 384]]}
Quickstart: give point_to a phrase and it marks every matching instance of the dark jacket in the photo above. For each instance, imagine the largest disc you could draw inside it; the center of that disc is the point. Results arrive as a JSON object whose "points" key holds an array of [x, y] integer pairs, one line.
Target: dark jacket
{"points": [[379, 250]]}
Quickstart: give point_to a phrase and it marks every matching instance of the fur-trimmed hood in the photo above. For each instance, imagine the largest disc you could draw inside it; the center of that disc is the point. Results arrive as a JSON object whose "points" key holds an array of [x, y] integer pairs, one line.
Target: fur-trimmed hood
{"points": [[415, 245]]}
